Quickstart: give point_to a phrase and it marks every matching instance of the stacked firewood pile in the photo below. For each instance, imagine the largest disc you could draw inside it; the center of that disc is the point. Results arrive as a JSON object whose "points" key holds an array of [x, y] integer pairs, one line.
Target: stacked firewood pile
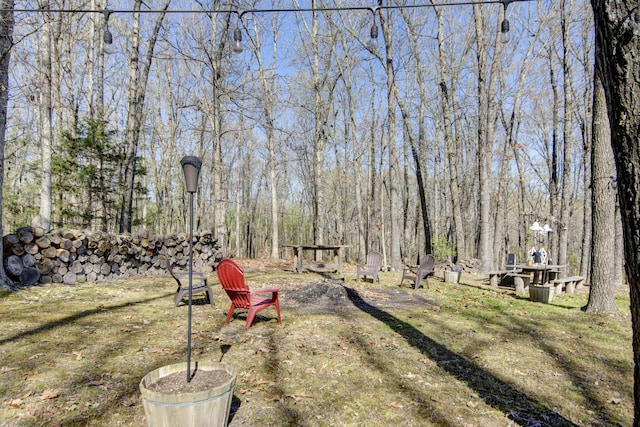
{"points": [[467, 266], [32, 256]]}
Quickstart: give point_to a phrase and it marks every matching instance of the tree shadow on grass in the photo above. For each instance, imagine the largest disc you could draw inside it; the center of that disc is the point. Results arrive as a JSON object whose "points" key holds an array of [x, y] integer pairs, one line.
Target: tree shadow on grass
{"points": [[519, 407], [77, 316]]}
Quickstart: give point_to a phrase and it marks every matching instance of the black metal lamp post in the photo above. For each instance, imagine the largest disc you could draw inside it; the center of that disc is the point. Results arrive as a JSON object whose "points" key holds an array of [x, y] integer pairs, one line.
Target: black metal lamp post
{"points": [[191, 169]]}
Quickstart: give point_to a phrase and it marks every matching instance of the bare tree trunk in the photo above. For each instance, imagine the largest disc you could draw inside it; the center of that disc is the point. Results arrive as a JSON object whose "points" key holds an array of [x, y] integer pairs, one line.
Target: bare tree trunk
{"points": [[438, 182], [395, 217], [602, 289], [268, 104], [318, 140], [586, 126], [484, 151], [163, 146], [135, 105], [273, 181], [358, 155], [523, 226], [61, 62], [567, 196], [417, 149], [211, 107], [133, 125], [98, 100], [618, 271], [618, 67], [408, 232], [487, 83], [45, 113], [371, 182], [6, 43], [511, 125], [91, 60], [451, 151], [351, 133], [587, 237], [554, 182]]}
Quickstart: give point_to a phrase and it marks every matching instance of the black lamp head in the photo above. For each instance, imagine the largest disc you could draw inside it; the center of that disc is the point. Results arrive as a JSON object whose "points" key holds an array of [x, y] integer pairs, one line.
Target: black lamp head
{"points": [[191, 169], [108, 37]]}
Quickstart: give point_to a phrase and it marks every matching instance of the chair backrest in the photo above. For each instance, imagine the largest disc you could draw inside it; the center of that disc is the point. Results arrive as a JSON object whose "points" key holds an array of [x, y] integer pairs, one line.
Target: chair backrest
{"points": [[170, 269], [231, 278], [374, 259], [427, 264]]}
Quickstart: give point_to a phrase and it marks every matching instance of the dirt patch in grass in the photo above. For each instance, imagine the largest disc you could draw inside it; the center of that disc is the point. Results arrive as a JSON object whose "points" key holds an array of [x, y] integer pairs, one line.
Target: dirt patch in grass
{"points": [[347, 353]]}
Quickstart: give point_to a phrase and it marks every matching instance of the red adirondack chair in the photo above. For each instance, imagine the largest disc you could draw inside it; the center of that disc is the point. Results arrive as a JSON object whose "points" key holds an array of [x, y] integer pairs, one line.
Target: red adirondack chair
{"points": [[231, 278]]}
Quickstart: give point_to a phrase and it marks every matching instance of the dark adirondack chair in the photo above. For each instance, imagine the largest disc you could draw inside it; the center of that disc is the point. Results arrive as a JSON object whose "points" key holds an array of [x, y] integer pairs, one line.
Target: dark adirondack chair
{"points": [[199, 284], [371, 267], [231, 278], [419, 273]]}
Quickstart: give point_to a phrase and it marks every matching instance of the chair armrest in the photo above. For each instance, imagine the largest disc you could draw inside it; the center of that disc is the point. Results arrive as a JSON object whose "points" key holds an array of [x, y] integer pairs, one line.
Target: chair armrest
{"points": [[185, 275], [257, 291]]}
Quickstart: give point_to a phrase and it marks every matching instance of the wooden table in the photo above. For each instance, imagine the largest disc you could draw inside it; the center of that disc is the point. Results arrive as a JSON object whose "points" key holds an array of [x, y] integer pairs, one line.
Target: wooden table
{"points": [[540, 273], [334, 250]]}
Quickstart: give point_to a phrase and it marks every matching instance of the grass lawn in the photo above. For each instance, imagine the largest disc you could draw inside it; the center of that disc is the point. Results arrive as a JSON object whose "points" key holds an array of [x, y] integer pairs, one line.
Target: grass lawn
{"points": [[467, 355]]}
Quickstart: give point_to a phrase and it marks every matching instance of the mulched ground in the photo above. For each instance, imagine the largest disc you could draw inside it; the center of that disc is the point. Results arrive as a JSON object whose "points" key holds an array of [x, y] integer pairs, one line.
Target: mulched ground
{"points": [[310, 293], [331, 295]]}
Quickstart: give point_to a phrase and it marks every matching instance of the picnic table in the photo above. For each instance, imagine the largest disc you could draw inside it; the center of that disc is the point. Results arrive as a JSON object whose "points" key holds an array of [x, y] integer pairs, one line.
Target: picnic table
{"points": [[335, 253], [541, 274]]}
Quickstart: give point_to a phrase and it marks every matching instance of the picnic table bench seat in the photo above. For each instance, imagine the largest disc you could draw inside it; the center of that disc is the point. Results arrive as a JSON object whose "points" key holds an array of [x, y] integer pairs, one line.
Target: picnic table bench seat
{"points": [[569, 283], [496, 277]]}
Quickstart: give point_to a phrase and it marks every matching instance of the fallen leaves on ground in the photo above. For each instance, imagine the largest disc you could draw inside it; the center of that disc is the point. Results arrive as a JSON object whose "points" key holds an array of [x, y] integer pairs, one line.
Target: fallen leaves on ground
{"points": [[14, 403], [36, 356], [129, 401], [49, 394], [299, 396]]}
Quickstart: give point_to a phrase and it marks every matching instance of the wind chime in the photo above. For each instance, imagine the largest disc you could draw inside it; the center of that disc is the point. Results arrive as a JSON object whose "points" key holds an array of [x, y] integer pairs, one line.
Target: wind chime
{"points": [[540, 236]]}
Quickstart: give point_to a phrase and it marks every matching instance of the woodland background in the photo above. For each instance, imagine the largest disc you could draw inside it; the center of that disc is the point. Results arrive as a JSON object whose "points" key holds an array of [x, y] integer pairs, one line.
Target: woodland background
{"points": [[439, 137]]}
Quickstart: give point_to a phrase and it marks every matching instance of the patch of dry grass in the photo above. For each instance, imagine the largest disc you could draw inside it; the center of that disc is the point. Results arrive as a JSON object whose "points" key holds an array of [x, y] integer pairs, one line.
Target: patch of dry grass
{"points": [[470, 356]]}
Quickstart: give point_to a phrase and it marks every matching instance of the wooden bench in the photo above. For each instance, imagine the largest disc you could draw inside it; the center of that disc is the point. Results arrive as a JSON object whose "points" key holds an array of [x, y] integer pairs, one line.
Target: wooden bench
{"points": [[569, 283], [496, 277]]}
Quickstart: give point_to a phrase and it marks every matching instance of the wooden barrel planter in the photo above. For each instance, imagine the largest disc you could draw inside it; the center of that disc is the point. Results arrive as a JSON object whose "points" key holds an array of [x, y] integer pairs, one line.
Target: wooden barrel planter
{"points": [[451, 276], [541, 293], [209, 407]]}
